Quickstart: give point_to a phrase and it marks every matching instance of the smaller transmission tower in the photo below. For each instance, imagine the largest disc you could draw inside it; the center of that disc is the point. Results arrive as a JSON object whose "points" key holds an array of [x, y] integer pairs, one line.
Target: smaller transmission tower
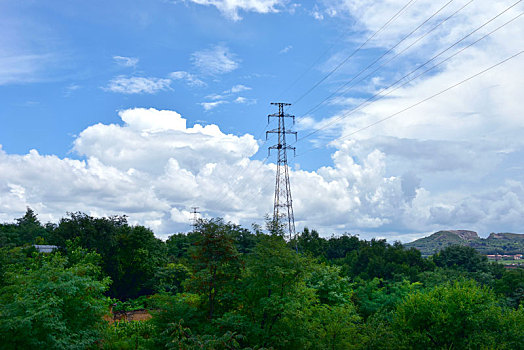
{"points": [[283, 204], [194, 219]]}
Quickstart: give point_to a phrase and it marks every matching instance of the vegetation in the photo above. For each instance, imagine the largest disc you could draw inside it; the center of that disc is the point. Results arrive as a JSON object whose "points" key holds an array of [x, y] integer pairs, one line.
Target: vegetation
{"points": [[496, 243], [226, 287]]}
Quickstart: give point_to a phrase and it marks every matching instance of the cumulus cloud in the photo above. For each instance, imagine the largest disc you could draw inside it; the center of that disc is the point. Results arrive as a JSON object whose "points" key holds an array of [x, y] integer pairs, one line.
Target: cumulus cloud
{"points": [[153, 168], [126, 61], [231, 8], [452, 158], [137, 85], [189, 78], [173, 167], [215, 60]]}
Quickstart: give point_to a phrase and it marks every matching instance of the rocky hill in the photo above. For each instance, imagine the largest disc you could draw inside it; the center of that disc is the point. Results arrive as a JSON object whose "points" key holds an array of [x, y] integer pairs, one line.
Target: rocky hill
{"points": [[496, 243]]}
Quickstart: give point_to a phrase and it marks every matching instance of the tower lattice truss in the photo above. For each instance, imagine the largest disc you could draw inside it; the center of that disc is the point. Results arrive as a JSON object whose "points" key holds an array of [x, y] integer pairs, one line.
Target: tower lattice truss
{"points": [[283, 203]]}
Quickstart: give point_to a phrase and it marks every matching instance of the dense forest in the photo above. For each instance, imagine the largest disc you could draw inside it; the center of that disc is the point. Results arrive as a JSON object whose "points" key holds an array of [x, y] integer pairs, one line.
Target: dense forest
{"points": [[223, 286]]}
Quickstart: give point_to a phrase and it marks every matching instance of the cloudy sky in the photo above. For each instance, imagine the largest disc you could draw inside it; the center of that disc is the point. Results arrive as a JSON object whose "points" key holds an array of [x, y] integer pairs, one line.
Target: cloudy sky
{"points": [[409, 113]]}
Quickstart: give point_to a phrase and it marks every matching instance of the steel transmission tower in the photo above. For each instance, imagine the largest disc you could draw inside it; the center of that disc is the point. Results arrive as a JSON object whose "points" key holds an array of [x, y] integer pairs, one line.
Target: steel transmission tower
{"points": [[194, 219], [283, 204]]}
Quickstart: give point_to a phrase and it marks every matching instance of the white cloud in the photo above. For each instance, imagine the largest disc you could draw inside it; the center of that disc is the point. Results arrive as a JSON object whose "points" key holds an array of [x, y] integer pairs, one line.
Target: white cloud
{"points": [[244, 100], [452, 158], [126, 61], [154, 168], [452, 162], [231, 8], [215, 97], [26, 68], [222, 98], [71, 88], [189, 78], [216, 60], [210, 105], [286, 49], [239, 88], [137, 85], [30, 51], [172, 167]]}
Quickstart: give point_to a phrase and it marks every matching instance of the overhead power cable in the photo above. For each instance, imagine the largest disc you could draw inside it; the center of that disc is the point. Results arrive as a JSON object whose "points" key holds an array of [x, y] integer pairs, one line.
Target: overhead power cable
{"points": [[381, 94], [314, 108], [313, 64], [419, 102], [396, 15]]}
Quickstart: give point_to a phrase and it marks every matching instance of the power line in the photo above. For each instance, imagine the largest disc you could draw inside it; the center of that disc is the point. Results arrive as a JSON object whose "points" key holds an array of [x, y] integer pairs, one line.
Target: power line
{"points": [[381, 95], [303, 74], [390, 59], [396, 15], [419, 102]]}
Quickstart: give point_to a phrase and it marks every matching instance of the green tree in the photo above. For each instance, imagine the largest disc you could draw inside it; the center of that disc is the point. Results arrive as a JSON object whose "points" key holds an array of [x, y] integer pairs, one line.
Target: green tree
{"points": [[311, 242], [511, 285], [329, 286], [53, 304], [138, 256], [454, 316], [26, 230], [170, 278], [379, 295], [131, 255], [216, 264], [275, 300], [461, 258], [335, 327]]}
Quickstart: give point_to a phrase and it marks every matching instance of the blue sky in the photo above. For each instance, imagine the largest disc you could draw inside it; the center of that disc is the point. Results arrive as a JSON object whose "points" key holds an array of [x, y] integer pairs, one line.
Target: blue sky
{"points": [[148, 108]]}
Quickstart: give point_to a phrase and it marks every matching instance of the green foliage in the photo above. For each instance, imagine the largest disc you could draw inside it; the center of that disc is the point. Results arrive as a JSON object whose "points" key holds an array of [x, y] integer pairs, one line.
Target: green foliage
{"points": [[14, 259], [170, 278], [338, 247], [142, 302], [176, 310], [329, 286], [382, 296], [138, 256], [53, 304], [216, 265], [311, 242], [511, 285], [178, 246], [460, 315], [123, 335], [182, 338], [274, 299], [496, 243], [131, 255], [462, 258], [27, 230], [224, 287], [376, 258], [335, 327]]}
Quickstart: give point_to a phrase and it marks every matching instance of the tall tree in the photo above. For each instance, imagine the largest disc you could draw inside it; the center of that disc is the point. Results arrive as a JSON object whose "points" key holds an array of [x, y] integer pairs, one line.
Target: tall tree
{"points": [[216, 263]]}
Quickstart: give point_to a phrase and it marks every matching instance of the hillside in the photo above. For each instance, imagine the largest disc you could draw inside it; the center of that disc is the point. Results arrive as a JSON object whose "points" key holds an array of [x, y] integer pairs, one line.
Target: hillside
{"points": [[496, 243]]}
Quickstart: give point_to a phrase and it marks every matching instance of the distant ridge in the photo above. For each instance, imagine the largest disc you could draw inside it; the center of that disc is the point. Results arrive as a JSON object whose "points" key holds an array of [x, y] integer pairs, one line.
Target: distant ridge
{"points": [[496, 243]]}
